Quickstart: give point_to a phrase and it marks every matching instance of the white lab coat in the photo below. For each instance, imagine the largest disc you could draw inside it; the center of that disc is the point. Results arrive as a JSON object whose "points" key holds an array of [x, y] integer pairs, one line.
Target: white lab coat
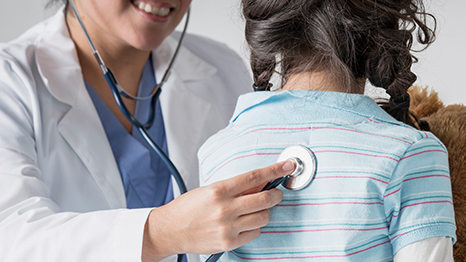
{"points": [[61, 195]]}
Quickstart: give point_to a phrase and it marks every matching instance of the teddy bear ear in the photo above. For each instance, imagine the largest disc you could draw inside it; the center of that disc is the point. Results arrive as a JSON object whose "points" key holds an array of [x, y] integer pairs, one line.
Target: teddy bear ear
{"points": [[424, 101]]}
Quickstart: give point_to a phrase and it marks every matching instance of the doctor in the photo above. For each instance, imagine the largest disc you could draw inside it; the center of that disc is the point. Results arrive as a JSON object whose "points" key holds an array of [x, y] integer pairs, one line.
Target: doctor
{"points": [[76, 181]]}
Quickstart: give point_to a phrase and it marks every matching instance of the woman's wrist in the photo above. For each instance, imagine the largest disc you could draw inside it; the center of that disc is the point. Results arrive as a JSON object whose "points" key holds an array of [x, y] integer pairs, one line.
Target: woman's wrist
{"points": [[152, 244]]}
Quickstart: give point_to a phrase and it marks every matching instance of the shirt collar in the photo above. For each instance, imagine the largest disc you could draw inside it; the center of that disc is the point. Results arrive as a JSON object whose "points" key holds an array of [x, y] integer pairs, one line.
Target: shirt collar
{"points": [[355, 103]]}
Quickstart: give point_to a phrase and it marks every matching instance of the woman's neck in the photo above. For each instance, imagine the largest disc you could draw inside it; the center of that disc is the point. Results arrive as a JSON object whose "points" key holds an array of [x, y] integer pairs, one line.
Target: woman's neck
{"points": [[125, 61], [321, 81]]}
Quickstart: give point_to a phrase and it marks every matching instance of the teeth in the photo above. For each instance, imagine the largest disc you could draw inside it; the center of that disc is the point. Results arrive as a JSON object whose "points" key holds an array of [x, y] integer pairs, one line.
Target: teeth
{"points": [[158, 11], [164, 11], [148, 8]]}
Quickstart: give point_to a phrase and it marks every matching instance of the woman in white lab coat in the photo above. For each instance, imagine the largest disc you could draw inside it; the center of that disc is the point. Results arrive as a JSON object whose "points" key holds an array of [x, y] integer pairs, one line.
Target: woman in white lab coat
{"points": [[61, 194]]}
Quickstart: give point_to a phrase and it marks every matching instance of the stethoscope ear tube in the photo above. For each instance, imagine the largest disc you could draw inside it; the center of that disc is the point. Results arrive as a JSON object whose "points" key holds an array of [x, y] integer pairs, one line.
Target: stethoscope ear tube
{"points": [[113, 84], [118, 91], [143, 129]]}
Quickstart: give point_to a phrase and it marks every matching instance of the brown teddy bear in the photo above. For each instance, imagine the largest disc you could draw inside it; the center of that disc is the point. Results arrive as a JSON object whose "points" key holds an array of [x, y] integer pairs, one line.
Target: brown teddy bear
{"points": [[449, 125]]}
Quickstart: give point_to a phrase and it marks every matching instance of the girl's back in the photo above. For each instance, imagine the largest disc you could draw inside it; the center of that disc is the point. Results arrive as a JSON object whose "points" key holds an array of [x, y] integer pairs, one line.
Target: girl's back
{"points": [[380, 185]]}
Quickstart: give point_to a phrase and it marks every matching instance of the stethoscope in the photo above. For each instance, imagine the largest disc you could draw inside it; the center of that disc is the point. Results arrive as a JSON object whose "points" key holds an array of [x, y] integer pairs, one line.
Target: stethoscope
{"points": [[302, 156], [118, 92]]}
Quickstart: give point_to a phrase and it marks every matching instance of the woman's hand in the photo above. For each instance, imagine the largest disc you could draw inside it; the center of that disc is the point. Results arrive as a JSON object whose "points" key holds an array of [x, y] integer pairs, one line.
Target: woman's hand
{"points": [[215, 218]]}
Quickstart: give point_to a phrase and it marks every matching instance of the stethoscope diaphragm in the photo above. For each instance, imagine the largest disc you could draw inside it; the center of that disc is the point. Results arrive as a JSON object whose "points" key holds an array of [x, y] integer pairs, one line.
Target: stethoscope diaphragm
{"points": [[306, 166]]}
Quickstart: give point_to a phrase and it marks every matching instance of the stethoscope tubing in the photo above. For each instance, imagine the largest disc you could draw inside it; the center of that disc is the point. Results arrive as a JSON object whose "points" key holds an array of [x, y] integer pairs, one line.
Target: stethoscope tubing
{"points": [[142, 128], [214, 257], [169, 164], [118, 92], [117, 95], [113, 84]]}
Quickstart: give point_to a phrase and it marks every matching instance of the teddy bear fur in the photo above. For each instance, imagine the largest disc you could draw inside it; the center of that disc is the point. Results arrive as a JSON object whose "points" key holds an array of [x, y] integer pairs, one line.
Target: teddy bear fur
{"points": [[449, 125]]}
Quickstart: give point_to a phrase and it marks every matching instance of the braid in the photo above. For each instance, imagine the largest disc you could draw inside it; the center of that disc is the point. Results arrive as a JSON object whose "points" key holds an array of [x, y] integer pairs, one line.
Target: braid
{"points": [[389, 61], [269, 29]]}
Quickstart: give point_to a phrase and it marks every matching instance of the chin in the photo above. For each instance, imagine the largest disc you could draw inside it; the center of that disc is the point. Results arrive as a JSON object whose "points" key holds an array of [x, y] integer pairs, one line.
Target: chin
{"points": [[146, 45]]}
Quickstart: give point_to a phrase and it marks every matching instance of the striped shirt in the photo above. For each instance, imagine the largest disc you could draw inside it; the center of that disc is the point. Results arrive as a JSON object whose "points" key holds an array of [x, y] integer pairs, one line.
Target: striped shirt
{"points": [[380, 185]]}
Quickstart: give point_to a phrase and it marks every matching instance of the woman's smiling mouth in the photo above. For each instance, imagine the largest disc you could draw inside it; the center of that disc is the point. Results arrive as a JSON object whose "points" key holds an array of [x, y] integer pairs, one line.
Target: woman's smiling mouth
{"points": [[162, 11]]}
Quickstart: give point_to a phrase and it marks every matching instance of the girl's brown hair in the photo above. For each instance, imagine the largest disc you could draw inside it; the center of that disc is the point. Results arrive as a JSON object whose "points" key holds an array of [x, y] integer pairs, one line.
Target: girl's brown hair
{"points": [[352, 39]]}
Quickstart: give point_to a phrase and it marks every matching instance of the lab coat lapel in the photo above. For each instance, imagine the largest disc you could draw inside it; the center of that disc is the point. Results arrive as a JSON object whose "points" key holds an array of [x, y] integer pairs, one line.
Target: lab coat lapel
{"points": [[182, 108], [80, 125]]}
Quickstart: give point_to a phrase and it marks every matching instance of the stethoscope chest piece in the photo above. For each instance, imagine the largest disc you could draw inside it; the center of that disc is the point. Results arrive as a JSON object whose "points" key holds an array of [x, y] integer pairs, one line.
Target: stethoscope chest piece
{"points": [[306, 166]]}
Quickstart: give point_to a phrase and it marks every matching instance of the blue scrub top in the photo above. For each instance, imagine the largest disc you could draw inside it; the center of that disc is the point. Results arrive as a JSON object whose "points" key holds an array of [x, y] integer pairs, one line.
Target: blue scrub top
{"points": [[147, 182]]}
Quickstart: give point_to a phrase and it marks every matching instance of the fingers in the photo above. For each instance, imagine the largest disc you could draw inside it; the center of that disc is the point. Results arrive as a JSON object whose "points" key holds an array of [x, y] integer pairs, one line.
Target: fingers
{"points": [[246, 237], [216, 217], [241, 239], [252, 203], [252, 180], [251, 225], [246, 229], [253, 221]]}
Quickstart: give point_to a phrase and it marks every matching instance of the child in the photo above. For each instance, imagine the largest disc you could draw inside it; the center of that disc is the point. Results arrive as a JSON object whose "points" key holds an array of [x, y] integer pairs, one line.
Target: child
{"points": [[382, 188]]}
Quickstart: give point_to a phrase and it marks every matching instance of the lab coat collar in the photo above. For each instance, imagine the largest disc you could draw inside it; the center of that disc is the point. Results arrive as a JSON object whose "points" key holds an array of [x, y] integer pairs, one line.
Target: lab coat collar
{"points": [[54, 48], [192, 68], [65, 71], [58, 65]]}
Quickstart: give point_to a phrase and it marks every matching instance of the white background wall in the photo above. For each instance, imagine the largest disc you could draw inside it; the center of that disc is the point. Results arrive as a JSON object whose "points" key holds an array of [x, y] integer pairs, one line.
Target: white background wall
{"points": [[442, 66]]}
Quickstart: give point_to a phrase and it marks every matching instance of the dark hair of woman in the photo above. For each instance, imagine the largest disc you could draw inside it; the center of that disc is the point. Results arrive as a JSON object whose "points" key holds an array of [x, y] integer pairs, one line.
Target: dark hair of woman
{"points": [[354, 40]]}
